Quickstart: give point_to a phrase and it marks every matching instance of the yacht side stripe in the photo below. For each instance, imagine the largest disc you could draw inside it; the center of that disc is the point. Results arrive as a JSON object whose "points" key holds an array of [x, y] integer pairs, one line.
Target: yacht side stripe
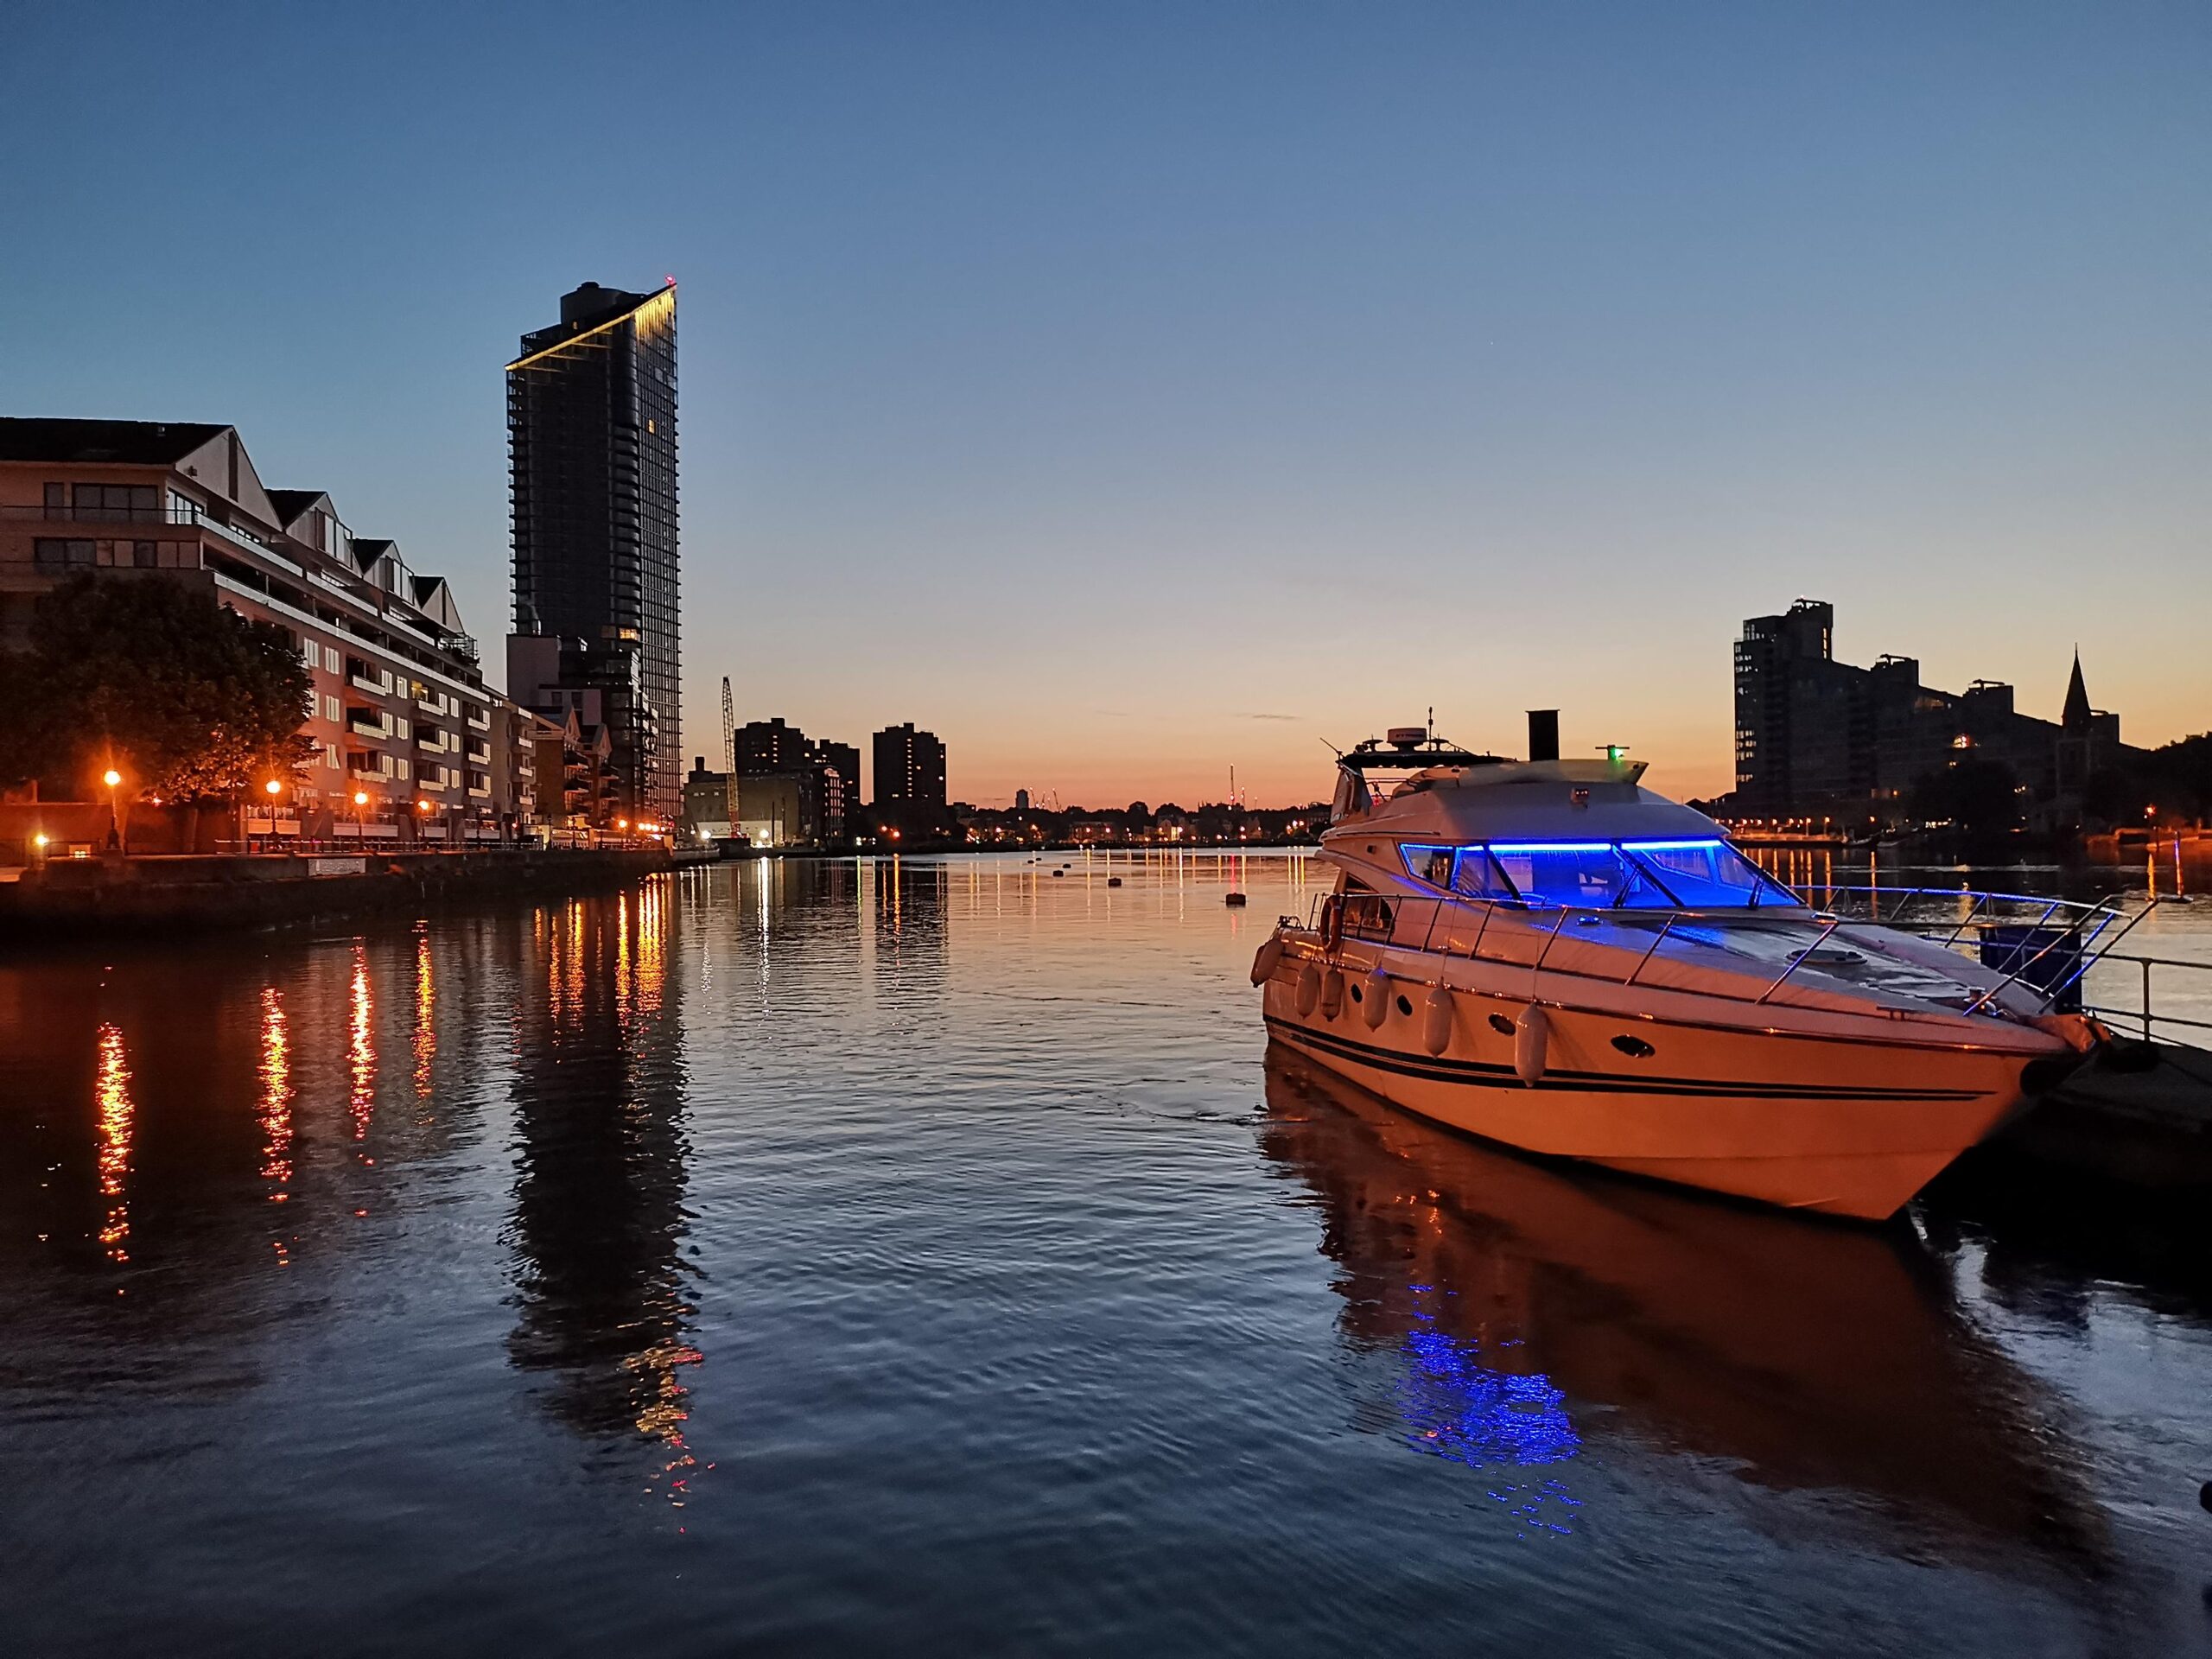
{"points": [[1485, 1075]]}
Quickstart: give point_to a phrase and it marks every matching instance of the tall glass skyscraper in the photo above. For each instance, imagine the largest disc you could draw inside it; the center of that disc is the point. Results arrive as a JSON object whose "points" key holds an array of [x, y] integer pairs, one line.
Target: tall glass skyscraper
{"points": [[591, 439]]}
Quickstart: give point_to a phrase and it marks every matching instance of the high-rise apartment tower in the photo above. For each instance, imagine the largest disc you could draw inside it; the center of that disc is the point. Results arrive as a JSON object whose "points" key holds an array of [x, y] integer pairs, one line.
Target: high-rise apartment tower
{"points": [[591, 438]]}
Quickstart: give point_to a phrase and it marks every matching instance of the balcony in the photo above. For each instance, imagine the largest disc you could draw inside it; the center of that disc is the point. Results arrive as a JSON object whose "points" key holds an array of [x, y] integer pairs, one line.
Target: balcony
{"points": [[73, 515], [368, 722]]}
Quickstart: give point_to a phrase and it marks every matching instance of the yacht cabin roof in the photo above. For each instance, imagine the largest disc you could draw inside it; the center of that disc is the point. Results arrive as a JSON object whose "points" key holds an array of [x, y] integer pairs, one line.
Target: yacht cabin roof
{"points": [[1528, 801]]}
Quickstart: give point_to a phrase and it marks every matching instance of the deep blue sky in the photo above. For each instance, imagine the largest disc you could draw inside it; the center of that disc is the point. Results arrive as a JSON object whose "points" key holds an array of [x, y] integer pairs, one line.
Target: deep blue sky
{"points": [[1130, 391]]}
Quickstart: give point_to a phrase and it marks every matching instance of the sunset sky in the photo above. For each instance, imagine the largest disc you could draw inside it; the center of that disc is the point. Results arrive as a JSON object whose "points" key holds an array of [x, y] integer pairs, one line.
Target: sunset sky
{"points": [[1126, 393]]}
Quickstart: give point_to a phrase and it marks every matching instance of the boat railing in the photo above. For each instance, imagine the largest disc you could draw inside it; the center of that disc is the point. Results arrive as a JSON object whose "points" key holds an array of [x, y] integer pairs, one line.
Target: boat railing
{"points": [[2074, 936], [1393, 919], [2049, 946], [2141, 1017]]}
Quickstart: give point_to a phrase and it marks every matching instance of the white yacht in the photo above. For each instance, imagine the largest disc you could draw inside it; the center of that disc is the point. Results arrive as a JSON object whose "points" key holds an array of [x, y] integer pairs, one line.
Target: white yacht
{"points": [[1549, 955]]}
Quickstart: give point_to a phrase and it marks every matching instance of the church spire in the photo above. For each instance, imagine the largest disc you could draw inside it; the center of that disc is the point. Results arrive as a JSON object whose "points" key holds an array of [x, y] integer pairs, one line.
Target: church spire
{"points": [[2077, 696]]}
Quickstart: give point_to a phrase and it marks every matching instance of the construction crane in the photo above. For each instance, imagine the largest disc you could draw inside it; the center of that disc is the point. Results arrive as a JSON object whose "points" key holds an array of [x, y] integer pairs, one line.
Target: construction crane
{"points": [[729, 758]]}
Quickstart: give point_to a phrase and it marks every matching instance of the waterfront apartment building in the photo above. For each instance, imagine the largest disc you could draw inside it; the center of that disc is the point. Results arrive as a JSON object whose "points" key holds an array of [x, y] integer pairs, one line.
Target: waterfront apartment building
{"points": [[910, 793], [591, 435], [399, 714], [1819, 738], [844, 759], [790, 792], [770, 745], [909, 767]]}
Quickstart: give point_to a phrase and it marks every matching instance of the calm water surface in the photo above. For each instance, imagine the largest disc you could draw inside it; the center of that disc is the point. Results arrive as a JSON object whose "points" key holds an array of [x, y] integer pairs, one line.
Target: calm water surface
{"points": [[928, 1258]]}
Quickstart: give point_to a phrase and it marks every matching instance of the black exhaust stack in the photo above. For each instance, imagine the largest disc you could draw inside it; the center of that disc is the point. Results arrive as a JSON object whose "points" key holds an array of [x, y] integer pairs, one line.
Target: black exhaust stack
{"points": [[1543, 733]]}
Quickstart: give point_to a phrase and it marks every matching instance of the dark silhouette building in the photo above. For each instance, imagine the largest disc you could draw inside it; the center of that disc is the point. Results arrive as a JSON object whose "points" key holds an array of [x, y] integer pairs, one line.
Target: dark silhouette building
{"points": [[844, 759], [769, 746], [1817, 738], [591, 435], [909, 767]]}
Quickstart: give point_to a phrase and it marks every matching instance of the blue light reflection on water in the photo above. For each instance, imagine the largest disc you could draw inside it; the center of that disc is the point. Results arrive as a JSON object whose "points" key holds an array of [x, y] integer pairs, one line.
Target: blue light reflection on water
{"points": [[1457, 1408]]}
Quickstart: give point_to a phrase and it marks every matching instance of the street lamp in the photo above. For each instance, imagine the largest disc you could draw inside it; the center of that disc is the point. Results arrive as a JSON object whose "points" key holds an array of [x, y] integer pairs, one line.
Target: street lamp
{"points": [[275, 789], [113, 779], [360, 800]]}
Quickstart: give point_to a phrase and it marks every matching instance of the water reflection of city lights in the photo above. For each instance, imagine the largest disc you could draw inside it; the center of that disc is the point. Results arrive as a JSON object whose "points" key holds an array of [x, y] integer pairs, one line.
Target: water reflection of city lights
{"points": [[644, 975], [360, 1050], [112, 1093], [426, 1034], [275, 1096]]}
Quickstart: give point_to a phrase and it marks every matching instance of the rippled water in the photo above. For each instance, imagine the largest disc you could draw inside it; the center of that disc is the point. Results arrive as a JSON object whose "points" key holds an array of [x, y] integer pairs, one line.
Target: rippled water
{"points": [[928, 1258]]}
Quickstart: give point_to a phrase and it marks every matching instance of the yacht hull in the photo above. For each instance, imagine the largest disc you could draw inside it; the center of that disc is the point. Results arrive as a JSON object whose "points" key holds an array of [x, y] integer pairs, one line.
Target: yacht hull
{"points": [[1846, 1125]]}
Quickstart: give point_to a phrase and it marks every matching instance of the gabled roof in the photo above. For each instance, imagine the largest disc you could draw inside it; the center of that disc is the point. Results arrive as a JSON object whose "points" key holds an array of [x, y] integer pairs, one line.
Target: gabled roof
{"points": [[367, 549], [292, 505], [123, 443]]}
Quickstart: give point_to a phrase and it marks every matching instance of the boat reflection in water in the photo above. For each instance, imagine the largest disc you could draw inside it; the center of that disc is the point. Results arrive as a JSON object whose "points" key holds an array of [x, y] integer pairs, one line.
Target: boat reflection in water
{"points": [[1535, 1309]]}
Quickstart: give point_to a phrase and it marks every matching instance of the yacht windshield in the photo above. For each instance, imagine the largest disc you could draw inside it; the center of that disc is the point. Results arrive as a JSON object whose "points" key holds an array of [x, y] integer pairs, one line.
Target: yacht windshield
{"points": [[1601, 875], [1590, 875], [1475, 875], [1709, 874], [1429, 864]]}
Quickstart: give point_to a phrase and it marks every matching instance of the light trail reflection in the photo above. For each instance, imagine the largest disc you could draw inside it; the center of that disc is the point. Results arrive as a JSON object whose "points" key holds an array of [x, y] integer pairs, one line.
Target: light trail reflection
{"points": [[360, 1049], [276, 1096], [112, 1096], [426, 1005]]}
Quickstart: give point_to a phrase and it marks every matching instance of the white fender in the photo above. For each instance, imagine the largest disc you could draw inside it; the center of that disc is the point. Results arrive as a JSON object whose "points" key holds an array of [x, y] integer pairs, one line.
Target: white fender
{"points": [[1375, 999], [1263, 965], [1531, 1037], [1436, 1021], [1309, 989], [1333, 992]]}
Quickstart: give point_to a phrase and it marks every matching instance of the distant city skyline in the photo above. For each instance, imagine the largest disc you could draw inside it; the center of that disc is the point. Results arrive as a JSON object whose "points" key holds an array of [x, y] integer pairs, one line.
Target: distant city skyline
{"points": [[1124, 394]]}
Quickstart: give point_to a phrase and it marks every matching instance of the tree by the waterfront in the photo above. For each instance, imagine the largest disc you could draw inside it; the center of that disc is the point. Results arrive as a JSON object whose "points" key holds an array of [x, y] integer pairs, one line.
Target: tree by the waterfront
{"points": [[188, 699], [1975, 797]]}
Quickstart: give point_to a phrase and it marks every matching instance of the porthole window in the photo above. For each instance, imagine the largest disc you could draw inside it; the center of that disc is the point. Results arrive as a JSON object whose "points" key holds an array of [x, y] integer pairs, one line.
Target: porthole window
{"points": [[1355, 994], [1634, 1047], [1405, 1007], [1501, 1024]]}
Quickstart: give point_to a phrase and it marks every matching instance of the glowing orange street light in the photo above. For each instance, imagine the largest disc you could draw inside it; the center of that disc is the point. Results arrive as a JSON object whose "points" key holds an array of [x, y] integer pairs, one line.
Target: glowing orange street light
{"points": [[274, 787], [112, 777]]}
